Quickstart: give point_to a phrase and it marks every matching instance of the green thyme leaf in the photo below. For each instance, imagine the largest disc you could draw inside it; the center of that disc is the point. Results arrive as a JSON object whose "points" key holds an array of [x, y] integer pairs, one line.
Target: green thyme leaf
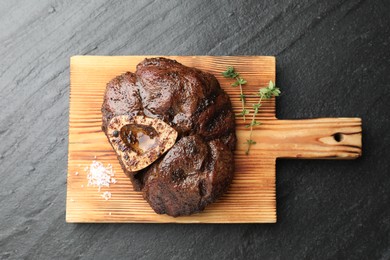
{"points": [[254, 123], [235, 84], [241, 81], [243, 112], [271, 85], [250, 142], [256, 107], [230, 73]]}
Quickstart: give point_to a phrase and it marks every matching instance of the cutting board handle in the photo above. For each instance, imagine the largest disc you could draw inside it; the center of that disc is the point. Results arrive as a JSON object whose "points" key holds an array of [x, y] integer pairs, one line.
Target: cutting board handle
{"points": [[321, 138]]}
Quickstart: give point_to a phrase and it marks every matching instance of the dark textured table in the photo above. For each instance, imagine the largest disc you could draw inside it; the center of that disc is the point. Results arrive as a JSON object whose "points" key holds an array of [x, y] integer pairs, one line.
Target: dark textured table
{"points": [[333, 60]]}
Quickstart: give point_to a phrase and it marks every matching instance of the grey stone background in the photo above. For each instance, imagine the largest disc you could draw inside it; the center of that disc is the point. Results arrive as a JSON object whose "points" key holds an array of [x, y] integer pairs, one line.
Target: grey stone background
{"points": [[333, 59]]}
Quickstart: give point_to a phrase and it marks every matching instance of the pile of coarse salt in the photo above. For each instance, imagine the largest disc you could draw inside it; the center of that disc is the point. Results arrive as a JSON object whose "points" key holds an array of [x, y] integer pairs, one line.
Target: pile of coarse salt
{"points": [[100, 176]]}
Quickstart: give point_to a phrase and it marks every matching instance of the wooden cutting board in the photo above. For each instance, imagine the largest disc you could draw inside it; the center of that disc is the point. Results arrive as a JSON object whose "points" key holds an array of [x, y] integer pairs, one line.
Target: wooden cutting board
{"points": [[251, 197]]}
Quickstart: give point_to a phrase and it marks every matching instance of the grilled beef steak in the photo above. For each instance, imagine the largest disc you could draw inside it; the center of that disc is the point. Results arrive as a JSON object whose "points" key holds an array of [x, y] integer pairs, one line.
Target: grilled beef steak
{"points": [[199, 167]]}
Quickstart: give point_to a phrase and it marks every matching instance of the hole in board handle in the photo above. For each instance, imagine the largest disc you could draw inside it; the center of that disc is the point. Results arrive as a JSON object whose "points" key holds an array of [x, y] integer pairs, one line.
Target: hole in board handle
{"points": [[338, 137]]}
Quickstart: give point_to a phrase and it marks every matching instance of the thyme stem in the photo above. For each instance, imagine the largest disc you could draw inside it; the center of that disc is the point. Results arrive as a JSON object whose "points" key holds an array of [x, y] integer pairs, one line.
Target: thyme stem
{"points": [[255, 112], [242, 97]]}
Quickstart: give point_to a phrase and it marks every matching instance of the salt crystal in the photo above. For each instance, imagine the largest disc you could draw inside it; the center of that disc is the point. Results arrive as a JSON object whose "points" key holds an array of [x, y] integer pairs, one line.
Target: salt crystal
{"points": [[76, 173], [109, 213], [106, 195], [113, 180], [82, 185]]}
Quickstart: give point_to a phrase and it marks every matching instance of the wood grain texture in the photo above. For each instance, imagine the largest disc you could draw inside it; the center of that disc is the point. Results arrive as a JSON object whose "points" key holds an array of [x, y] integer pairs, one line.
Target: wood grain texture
{"points": [[251, 197]]}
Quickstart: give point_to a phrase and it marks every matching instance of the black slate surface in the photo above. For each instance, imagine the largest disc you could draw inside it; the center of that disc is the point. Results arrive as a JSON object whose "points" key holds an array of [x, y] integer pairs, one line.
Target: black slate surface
{"points": [[333, 59]]}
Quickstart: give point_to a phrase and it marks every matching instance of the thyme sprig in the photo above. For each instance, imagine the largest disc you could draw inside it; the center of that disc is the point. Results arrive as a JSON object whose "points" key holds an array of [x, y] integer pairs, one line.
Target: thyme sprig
{"points": [[264, 93], [231, 73]]}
